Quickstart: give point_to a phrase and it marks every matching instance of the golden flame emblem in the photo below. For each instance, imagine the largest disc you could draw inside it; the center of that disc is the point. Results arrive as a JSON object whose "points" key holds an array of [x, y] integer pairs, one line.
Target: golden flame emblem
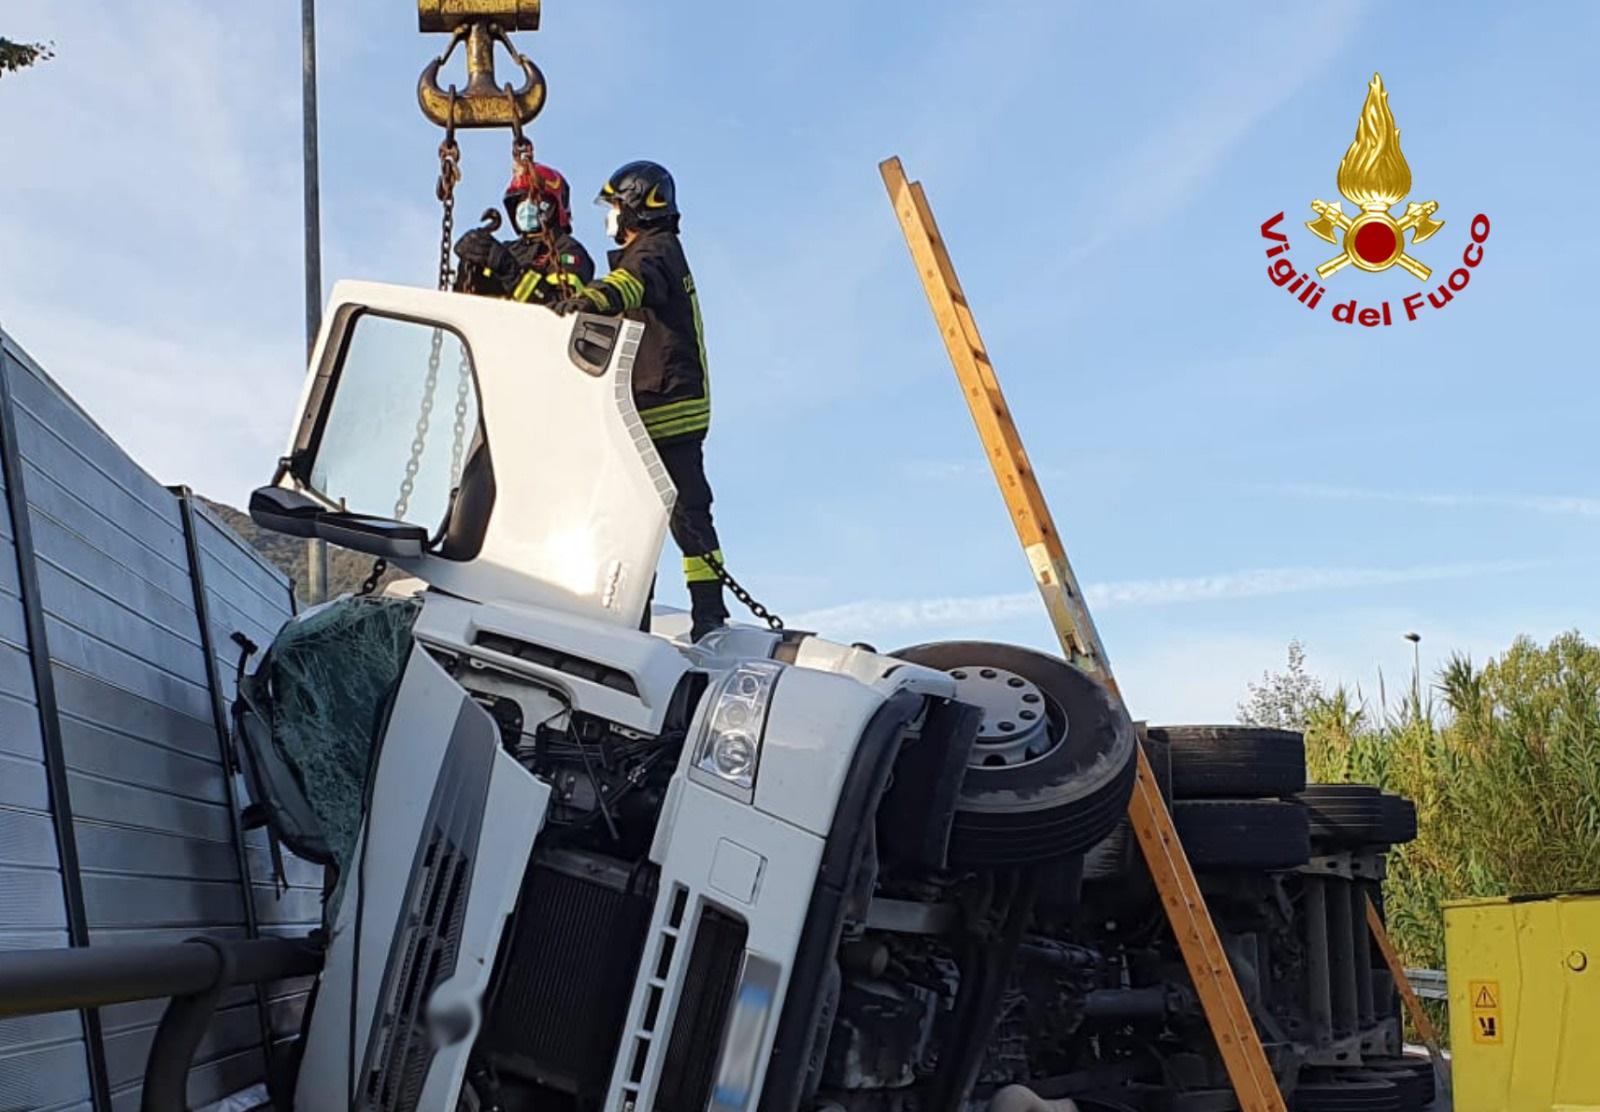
{"points": [[1374, 175]]}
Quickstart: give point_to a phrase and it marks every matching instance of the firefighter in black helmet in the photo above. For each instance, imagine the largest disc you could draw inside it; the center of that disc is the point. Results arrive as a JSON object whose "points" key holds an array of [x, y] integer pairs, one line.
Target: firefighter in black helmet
{"points": [[650, 282]]}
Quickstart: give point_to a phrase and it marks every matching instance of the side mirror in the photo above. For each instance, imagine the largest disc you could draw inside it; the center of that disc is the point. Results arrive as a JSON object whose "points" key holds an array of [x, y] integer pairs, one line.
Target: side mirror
{"points": [[376, 536], [285, 511], [288, 511]]}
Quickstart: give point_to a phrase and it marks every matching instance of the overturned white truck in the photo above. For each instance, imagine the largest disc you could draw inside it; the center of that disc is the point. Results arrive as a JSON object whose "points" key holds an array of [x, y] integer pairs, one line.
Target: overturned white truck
{"points": [[610, 866], [587, 865]]}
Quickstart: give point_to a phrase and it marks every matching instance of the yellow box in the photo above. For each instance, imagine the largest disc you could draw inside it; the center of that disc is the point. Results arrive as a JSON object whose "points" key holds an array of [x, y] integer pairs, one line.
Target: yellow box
{"points": [[1524, 979]]}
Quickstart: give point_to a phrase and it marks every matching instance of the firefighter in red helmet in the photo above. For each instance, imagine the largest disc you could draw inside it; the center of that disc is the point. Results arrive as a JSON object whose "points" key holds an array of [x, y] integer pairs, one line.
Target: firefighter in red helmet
{"points": [[545, 263]]}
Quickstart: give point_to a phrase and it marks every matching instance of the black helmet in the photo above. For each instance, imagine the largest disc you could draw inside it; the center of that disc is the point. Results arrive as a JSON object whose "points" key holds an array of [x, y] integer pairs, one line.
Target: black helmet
{"points": [[645, 193]]}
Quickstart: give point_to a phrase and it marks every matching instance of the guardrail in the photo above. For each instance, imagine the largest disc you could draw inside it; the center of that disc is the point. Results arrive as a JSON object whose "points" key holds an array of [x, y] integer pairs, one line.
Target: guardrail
{"points": [[1429, 984], [193, 973]]}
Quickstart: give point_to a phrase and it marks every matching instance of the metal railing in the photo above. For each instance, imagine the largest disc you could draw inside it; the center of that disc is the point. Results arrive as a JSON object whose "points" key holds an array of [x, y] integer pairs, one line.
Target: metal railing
{"points": [[194, 974], [1429, 984]]}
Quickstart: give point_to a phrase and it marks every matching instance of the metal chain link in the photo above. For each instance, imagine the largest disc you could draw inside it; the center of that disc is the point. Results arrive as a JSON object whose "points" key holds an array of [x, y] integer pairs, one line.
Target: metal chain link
{"points": [[370, 584], [463, 393], [445, 190], [772, 620]]}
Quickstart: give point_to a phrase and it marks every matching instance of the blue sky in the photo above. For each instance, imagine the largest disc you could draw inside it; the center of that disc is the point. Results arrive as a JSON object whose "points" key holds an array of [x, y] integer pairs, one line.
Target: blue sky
{"points": [[1229, 470]]}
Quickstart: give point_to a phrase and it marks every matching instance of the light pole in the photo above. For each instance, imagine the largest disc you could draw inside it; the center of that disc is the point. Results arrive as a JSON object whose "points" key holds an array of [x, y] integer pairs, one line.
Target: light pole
{"points": [[1416, 669], [316, 550]]}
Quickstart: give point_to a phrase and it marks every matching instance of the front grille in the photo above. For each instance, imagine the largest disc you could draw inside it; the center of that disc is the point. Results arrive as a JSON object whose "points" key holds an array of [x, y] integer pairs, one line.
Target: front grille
{"points": [[427, 932], [562, 990], [428, 945], [703, 1007]]}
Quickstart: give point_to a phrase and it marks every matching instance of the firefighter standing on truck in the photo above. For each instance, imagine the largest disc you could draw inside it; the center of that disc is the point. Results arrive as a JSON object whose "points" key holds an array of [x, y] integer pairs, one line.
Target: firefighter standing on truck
{"points": [[545, 263], [650, 282]]}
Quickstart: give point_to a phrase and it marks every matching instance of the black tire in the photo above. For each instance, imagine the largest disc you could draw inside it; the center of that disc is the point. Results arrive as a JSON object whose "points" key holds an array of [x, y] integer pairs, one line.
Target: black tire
{"points": [[1399, 819], [1410, 1085], [1065, 800], [1346, 1096], [1419, 1067], [1344, 814], [1234, 762], [1243, 833]]}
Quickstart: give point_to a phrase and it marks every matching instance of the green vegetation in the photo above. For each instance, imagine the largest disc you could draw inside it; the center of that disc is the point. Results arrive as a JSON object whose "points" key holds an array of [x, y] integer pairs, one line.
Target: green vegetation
{"points": [[20, 55], [1503, 762]]}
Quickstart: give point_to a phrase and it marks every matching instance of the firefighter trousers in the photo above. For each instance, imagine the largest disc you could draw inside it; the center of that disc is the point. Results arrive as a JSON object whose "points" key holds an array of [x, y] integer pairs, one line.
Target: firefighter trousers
{"points": [[693, 530]]}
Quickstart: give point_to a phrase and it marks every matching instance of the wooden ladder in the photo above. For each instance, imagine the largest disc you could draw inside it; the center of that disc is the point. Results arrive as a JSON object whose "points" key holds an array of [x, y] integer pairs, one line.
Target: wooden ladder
{"points": [[1186, 910]]}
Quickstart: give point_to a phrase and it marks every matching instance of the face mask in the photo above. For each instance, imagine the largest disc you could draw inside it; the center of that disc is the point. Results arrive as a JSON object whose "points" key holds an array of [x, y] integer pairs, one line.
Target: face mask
{"points": [[614, 223], [530, 215]]}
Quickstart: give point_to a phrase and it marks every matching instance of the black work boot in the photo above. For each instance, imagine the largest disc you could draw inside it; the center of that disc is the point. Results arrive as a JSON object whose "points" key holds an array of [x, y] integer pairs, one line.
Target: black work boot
{"points": [[706, 609]]}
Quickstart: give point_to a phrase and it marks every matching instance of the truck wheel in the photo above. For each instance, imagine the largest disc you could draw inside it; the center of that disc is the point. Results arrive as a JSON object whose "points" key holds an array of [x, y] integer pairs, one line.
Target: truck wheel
{"points": [[1410, 1085], [1243, 833], [1419, 1068], [1346, 1096], [1235, 762], [1344, 814], [1053, 763], [1399, 819]]}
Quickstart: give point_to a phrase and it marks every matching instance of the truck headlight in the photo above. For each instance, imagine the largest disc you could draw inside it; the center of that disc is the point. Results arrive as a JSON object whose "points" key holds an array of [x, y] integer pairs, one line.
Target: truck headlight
{"points": [[729, 746]]}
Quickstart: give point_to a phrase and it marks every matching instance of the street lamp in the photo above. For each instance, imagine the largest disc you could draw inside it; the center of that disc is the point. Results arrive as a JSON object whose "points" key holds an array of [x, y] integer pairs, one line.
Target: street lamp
{"points": [[1416, 667], [316, 550]]}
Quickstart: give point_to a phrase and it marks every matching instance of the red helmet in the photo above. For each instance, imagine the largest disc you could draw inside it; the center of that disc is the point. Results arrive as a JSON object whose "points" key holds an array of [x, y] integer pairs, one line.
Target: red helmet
{"points": [[547, 185]]}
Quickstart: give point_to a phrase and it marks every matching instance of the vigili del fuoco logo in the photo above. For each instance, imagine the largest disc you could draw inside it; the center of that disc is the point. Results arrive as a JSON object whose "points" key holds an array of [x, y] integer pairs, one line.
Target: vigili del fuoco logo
{"points": [[1374, 176]]}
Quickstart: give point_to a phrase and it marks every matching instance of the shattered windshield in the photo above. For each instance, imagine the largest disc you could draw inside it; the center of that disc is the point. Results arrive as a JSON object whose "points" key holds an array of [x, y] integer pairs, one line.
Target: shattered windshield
{"points": [[401, 422]]}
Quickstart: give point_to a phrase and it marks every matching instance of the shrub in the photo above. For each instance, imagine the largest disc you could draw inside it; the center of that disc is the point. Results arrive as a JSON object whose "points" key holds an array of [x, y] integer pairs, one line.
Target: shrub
{"points": [[1505, 775]]}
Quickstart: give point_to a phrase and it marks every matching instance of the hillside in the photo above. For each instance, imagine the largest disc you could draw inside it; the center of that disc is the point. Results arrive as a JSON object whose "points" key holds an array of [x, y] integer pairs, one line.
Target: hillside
{"points": [[346, 569]]}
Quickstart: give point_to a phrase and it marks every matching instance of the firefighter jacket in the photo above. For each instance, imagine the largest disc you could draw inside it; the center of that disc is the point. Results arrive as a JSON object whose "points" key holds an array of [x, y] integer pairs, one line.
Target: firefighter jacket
{"points": [[650, 282], [547, 277]]}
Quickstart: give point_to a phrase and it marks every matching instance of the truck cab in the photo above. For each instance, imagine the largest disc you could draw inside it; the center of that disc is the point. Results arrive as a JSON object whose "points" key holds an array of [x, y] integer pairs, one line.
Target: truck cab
{"points": [[599, 866]]}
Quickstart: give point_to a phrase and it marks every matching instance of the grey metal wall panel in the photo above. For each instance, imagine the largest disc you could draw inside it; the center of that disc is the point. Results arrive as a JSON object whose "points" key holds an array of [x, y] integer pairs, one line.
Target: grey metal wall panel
{"points": [[73, 647], [44, 401], [244, 594], [142, 808], [139, 738], [118, 756], [49, 495], [95, 701], [44, 1078], [132, 901], [19, 721], [119, 850], [22, 784], [32, 898], [42, 1058], [27, 839]]}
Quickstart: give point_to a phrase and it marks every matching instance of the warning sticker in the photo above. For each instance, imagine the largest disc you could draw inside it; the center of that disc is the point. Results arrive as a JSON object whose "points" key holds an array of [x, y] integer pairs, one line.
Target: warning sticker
{"points": [[1484, 997]]}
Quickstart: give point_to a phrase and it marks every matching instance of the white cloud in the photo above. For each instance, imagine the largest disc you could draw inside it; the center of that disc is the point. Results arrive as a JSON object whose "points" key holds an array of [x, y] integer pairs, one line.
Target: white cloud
{"points": [[883, 615], [161, 286], [1563, 505], [1162, 171]]}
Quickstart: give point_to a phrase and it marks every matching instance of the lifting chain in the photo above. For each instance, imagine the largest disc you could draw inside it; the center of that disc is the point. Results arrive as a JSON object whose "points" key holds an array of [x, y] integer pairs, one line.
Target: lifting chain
{"points": [[449, 175], [445, 190], [774, 622]]}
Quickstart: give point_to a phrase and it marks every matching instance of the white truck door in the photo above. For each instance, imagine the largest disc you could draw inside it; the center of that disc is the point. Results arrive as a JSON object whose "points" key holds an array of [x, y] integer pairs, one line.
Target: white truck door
{"points": [[488, 447]]}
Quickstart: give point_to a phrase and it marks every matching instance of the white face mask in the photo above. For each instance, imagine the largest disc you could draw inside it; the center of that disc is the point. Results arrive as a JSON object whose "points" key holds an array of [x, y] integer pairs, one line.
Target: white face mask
{"points": [[614, 223], [530, 215]]}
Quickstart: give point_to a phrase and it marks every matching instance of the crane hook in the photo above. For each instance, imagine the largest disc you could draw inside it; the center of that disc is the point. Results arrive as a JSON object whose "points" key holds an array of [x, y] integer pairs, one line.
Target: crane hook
{"points": [[483, 103]]}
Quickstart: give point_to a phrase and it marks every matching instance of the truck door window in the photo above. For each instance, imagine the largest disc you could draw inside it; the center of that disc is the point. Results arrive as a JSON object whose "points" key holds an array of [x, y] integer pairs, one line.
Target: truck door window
{"points": [[401, 423]]}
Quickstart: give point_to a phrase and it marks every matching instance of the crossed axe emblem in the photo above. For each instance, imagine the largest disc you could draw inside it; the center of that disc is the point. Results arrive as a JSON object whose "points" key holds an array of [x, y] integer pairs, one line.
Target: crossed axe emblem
{"points": [[1374, 240]]}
